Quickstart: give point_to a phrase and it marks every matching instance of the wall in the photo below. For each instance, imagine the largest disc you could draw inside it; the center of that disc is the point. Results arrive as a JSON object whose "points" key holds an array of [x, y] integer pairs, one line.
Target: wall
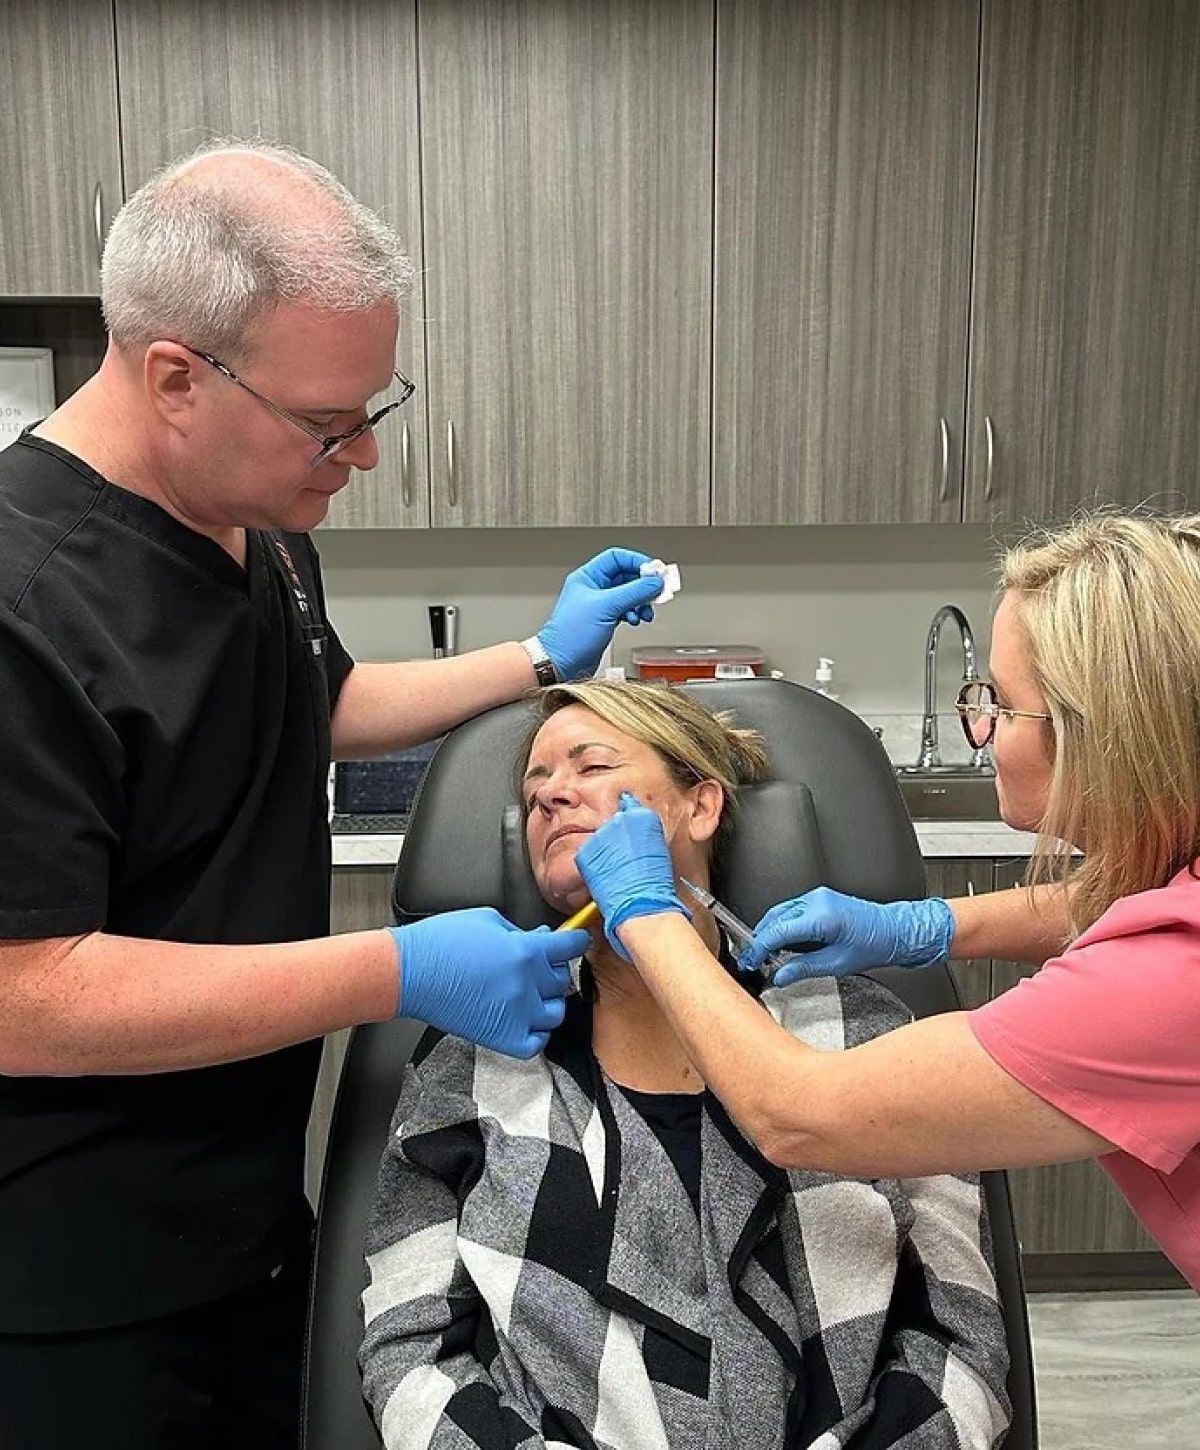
{"points": [[863, 595]]}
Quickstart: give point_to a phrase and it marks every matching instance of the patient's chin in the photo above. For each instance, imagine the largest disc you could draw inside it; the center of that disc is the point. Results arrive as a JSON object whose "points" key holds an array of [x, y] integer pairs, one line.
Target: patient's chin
{"points": [[564, 890]]}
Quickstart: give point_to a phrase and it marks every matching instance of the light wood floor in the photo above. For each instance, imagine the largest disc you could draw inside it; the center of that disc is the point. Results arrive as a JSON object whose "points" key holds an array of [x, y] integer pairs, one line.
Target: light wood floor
{"points": [[1117, 1371]]}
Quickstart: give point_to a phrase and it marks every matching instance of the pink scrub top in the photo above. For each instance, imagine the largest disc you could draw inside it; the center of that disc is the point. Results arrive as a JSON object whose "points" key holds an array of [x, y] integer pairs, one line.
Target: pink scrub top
{"points": [[1109, 1033]]}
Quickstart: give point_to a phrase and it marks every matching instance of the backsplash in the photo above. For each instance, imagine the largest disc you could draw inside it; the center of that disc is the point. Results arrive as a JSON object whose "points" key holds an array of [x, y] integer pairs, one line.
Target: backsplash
{"points": [[861, 595]]}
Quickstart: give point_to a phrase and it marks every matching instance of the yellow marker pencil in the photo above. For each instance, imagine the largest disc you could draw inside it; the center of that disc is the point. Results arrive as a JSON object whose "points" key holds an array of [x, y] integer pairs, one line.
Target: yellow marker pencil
{"points": [[582, 918]]}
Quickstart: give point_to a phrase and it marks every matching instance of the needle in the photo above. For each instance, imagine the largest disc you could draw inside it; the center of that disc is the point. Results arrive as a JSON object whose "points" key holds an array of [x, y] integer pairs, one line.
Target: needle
{"points": [[735, 926]]}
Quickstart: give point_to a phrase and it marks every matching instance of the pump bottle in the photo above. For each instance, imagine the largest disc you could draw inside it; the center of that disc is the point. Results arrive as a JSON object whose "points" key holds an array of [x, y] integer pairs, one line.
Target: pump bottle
{"points": [[824, 678]]}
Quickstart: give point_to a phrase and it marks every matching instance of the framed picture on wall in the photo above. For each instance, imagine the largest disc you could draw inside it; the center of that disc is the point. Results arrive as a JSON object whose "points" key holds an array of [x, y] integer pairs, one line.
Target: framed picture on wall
{"points": [[26, 389]]}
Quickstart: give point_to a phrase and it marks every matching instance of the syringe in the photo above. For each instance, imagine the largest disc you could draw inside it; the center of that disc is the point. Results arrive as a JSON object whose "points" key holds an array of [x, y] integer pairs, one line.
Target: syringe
{"points": [[736, 927]]}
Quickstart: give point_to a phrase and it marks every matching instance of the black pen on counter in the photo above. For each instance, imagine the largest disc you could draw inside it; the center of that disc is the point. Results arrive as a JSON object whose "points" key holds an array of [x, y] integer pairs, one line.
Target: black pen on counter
{"points": [[437, 629], [443, 629]]}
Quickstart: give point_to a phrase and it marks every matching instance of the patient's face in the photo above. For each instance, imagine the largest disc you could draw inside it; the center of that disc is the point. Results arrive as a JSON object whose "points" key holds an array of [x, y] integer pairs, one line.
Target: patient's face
{"points": [[577, 769]]}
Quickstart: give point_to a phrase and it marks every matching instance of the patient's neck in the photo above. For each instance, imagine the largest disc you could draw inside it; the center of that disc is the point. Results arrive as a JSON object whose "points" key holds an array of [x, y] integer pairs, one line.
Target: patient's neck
{"points": [[631, 1037]]}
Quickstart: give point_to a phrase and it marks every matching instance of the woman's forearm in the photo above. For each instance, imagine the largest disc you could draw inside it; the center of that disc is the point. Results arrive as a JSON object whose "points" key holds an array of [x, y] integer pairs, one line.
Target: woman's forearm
{"points": [[1017, 924], [881, 1109]]}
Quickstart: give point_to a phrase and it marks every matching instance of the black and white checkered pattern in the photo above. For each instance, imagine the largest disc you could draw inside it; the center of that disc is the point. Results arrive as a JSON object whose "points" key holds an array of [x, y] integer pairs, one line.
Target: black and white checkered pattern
{"points": [[538, 1276]]}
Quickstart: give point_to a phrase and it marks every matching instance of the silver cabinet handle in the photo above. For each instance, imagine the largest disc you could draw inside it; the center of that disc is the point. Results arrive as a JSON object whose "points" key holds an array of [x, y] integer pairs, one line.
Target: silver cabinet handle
{"points": [[405, 471], [945, 461], [98, 220], [451, 470], [990, 434]]}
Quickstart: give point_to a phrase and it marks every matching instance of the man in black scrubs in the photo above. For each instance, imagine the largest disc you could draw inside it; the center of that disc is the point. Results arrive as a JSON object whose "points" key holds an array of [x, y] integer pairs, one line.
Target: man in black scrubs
{"points": [[171, 695]]}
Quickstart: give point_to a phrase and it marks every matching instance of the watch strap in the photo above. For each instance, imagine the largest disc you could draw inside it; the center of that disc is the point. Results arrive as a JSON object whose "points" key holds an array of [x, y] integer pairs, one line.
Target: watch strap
{"points": [[543, 665]]}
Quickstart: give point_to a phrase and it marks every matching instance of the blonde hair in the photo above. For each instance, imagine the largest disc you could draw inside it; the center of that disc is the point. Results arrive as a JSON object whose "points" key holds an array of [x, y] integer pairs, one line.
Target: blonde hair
{"points": [[695, 744], [196, 256], [1110, 610]]}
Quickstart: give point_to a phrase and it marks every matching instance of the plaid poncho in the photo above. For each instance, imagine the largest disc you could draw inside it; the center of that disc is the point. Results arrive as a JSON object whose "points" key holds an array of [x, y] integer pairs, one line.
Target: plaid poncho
{"points": [[539, 1277]]}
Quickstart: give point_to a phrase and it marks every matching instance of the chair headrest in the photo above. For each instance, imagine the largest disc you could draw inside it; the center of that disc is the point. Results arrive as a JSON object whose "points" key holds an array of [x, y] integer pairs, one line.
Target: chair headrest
{"points": [[864, 845], [774, 852]]}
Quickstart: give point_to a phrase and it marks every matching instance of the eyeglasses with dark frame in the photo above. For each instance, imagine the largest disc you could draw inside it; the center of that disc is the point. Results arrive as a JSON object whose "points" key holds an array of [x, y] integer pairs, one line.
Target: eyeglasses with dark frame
{"points": [[329, 443], [978, 711]]}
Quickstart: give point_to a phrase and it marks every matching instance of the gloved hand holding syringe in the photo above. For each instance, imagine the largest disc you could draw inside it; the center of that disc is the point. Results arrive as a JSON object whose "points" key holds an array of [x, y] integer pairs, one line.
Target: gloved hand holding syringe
{"points": [[736, 929]]}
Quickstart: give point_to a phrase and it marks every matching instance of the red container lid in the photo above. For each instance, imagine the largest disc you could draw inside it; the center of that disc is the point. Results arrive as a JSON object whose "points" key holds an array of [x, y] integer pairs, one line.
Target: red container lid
{"points": [[696, 661]]}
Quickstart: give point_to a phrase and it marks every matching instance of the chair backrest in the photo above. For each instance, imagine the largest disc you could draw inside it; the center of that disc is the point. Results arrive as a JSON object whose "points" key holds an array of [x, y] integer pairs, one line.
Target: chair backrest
{"points": [[831, 812]]}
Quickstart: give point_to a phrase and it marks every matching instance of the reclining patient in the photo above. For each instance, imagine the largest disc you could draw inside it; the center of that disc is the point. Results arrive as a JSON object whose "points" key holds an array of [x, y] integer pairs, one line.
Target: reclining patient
{"points": [[583, 1250]]}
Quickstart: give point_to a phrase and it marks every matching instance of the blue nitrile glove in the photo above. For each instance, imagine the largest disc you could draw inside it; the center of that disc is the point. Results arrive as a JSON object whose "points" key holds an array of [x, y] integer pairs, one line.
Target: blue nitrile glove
{"points": [[852, 935], [595, 598], [627, 867], [476, 975]]}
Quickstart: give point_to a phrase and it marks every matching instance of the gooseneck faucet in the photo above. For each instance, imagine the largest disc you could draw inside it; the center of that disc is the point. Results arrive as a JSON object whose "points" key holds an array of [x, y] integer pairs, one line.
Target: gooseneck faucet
{"points": [[930, 756]]}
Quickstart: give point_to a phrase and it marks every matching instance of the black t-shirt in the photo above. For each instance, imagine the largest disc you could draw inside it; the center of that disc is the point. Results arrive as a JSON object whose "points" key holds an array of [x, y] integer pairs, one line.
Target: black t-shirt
{"points": [[164, 746], [674, 1119]]}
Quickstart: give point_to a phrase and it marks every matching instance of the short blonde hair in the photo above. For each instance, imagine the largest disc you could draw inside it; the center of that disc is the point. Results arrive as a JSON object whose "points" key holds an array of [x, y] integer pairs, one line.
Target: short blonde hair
{"points": [[696, 744], [1110, 610]]}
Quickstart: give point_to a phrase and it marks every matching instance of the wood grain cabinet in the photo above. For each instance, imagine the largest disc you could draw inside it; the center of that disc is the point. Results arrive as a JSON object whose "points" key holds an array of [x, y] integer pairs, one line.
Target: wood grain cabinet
{"points": [[338, 82], [60, 164], [1085, 328], [696, 261], [970, 876], [844, 172], [567, 162]]}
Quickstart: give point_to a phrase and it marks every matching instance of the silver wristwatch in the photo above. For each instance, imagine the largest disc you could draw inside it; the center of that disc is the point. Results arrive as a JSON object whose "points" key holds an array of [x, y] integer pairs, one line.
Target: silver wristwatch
{"points": [[543, 665]]}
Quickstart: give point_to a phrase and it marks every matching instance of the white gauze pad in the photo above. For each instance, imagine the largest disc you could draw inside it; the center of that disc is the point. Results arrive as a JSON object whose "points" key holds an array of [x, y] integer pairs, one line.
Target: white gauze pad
{"points": [[670, 577]]}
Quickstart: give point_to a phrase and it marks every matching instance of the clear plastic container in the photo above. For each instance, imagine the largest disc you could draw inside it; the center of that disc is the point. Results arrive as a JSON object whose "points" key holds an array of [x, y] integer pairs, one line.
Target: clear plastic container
{"points": [[677, 662]]}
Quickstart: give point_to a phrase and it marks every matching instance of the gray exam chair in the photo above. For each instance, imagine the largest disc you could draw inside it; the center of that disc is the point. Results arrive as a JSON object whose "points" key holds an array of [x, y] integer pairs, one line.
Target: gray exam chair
{"points": [[832, 813]]}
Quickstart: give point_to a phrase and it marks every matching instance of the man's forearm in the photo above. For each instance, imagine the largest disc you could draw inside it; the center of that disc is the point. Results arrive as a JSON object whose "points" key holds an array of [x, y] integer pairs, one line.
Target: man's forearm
{"points": [[1016, 925], [388, 706], [110, 1004]]}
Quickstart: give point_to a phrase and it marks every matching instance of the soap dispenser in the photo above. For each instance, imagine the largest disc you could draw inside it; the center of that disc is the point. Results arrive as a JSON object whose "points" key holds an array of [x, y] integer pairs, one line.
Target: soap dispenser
{"points": [[824, 682]]}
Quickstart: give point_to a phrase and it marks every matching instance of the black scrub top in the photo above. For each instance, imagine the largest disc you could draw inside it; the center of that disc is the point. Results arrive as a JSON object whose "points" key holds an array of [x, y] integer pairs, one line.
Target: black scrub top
{"points": [[164, 747]]}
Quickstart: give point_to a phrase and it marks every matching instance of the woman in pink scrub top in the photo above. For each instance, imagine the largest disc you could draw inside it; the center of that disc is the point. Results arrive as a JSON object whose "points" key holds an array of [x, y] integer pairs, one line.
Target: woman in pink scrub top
{"points": [[1093, 714]]}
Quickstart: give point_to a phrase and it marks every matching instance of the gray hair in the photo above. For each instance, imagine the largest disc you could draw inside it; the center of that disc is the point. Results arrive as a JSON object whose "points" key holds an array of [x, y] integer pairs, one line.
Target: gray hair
{"points": [[195, 257]]}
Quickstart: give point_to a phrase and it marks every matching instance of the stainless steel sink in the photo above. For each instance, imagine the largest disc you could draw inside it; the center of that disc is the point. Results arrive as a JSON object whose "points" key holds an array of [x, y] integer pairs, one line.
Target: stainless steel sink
{"points": [[948, 793]]}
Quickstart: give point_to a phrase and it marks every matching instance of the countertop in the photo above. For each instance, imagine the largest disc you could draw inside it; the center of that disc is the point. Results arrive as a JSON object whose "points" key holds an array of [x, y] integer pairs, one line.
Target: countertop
{"points": [[937, 839]]}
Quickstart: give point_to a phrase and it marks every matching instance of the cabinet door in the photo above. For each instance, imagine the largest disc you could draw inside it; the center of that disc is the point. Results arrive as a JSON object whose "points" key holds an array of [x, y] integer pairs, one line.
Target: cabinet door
{"points": [[567, 161], [340, 84], [60, 167], [965, 877], [1065, 1207], [361, 900], [1085, 331], [845, 157]]}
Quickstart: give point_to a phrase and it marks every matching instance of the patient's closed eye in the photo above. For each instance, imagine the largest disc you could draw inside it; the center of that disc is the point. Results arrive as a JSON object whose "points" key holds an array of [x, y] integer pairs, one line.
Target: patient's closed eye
{"points": [[592, 765]]}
